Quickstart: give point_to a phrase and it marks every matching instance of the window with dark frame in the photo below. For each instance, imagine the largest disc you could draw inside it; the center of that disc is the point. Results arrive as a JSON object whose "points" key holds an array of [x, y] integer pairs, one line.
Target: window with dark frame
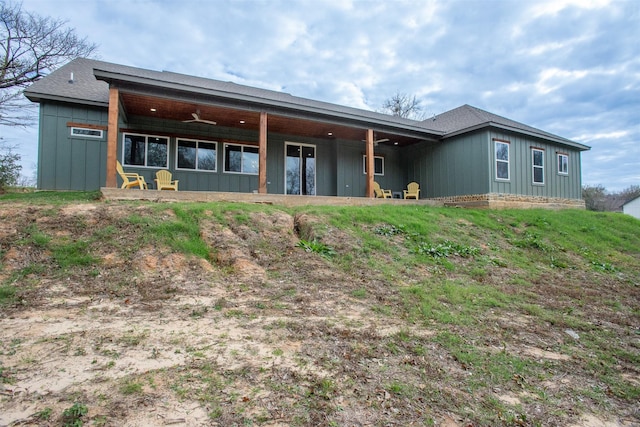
{"points": [[241, 159], [145, 150], [196, 155]]}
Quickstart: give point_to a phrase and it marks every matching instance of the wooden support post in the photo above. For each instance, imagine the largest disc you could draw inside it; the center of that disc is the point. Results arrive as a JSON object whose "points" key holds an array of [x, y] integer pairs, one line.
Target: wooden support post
{"points": [[262, 155], [370, 164], [112, 137]]}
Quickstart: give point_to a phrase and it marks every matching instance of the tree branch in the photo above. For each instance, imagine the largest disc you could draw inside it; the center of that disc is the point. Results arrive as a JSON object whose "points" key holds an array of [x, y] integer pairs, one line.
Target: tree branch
{"points": [[33, 47]]}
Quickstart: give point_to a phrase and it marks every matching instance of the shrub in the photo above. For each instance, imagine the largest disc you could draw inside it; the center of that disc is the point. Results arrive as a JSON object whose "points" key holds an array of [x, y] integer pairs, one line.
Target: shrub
{"points": [[9, 170], [317, 247], [73, 415]]}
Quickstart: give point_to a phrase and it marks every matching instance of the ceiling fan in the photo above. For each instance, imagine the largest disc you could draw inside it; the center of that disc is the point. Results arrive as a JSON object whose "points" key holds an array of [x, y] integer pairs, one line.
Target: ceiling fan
{"points": [[197, 119], [377, 141]]}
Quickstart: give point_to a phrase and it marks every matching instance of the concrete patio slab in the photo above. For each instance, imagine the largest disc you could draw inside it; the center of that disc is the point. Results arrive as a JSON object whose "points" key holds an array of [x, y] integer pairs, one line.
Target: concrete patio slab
{"points": [[272, 199]]}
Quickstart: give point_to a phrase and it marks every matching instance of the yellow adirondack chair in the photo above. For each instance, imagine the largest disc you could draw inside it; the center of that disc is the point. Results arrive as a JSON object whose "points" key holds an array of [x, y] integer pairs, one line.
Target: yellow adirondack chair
{"points": [[164, 182], [412, 191], [380, 193], [130, 179]]}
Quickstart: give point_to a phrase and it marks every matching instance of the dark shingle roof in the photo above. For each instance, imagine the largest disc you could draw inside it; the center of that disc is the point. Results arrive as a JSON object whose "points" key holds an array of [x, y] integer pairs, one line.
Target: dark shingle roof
{"points": [[88, 89], [252, 94], [85, 88], [466, 118]]}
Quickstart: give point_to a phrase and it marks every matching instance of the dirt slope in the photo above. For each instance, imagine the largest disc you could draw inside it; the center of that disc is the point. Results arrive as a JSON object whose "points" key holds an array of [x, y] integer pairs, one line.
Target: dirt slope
{"points": [[263, 334]]}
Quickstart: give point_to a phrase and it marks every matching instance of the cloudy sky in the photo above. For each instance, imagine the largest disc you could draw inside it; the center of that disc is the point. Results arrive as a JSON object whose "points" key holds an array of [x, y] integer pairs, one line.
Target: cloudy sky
{"points": [[569, 67]]}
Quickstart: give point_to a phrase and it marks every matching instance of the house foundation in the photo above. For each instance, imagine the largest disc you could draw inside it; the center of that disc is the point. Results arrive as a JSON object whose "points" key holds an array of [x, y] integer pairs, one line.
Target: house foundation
{"points": [[510, 201]]}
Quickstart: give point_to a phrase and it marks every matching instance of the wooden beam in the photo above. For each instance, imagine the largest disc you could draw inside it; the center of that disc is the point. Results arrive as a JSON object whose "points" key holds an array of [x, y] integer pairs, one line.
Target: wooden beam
{"points": [[112, 137], [86, 126], [370, 170], [262, 155]]}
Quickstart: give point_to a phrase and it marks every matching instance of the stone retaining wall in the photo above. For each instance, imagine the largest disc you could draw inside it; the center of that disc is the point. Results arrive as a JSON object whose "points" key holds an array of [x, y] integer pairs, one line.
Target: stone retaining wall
{"points": [[504, 201], [490, 201]]}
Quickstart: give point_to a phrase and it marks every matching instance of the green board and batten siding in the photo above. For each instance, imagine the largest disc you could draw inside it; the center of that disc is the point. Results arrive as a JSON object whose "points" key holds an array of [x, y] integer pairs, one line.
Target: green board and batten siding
{"points": [[192, 180], [521, 168], [66, 162], [234, 182], [456, 167], [351, 179]]}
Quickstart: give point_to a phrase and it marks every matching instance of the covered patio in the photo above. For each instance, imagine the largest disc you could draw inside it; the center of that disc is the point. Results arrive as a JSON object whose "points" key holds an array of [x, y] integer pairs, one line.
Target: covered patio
{"points": [[180, 102]]}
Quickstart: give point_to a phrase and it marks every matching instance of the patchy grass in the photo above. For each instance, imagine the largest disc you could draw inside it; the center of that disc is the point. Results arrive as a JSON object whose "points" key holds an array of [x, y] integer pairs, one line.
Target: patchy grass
{"points": [[50, 197], [7, 294], [243, 314]]}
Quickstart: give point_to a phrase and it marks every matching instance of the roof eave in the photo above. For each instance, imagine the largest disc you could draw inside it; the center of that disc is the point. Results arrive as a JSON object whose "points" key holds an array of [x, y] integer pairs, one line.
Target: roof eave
{"points": [[557, 140], [39, 97], [233, 97]]}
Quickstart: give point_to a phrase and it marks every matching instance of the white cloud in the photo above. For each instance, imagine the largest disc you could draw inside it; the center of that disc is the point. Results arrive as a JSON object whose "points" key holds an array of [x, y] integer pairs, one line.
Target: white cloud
{"points": [[553, 78], [571, 67], [553, 7], [586, 138], [553, 46]]}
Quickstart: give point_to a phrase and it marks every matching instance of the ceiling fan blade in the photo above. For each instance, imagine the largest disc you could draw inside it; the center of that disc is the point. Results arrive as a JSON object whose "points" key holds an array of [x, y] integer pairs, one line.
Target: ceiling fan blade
{"points": [[376, 141], [197, 119]]}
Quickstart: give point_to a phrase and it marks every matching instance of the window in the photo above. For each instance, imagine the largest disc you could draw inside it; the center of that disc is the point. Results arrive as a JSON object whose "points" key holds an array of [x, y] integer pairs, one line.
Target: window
{"points": [[196, 155], [538, 165], [502, 160], [241, 159], [378, 165], [563, 164], [86, 133], [145, 150]]}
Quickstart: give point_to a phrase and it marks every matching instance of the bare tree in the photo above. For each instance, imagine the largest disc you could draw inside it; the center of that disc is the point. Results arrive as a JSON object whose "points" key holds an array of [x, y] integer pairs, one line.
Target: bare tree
{"points": [[630, 193], [30, 48], [403, 105], [597, 198]]}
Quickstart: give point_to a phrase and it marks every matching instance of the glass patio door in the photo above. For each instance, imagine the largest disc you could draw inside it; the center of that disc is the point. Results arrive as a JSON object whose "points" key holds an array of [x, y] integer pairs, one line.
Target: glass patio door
{"points": [[300, 169]]}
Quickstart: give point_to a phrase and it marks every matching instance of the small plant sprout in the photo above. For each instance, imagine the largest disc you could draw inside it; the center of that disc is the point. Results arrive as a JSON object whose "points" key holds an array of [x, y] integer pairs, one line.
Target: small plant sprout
{"points": [[73, 415], [317, 247]]}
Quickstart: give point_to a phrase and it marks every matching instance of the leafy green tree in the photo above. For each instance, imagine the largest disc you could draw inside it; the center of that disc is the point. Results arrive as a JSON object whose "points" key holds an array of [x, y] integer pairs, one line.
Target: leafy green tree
{"points": [[9, 169]]}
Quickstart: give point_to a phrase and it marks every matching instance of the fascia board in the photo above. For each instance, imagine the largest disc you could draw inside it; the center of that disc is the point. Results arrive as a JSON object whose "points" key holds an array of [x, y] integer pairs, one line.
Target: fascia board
{"points": [[558, 140], [39, 97], [280, 105]]}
